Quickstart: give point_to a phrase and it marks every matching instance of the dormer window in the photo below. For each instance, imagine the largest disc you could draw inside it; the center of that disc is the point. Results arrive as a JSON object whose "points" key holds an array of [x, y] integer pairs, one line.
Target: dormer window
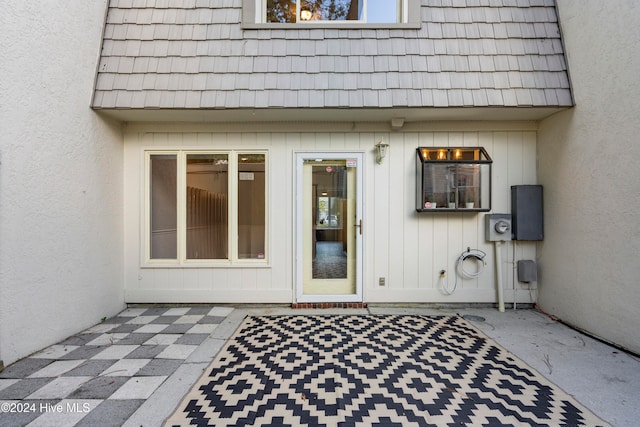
{"points": [[331, 11]]}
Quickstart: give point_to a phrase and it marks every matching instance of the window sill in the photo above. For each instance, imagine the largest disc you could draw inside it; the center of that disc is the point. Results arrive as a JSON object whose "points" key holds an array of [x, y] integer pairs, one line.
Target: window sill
{"points": [[216, 265], [339, 26], [435, 210]]}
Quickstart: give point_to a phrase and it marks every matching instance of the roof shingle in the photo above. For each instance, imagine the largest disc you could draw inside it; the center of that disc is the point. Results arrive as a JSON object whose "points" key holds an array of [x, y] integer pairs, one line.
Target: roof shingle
{"points": [[194, 54]]}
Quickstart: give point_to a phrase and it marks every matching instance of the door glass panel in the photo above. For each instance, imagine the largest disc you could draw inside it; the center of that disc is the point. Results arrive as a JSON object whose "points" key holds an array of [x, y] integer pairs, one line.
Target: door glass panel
{"points": [[251, 206], [328, 227], [331, 247], [206, 210], [163, 206]]}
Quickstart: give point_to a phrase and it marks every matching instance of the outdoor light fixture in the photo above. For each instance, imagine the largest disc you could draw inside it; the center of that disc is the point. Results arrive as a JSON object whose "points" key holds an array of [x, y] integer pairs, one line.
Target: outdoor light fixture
{"points": [[381, 151]]}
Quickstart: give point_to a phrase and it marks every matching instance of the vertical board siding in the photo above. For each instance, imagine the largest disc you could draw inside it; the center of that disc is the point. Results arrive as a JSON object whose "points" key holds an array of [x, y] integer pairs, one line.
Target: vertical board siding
{"points": [[394, 166], [411, 256], [407, 248]]}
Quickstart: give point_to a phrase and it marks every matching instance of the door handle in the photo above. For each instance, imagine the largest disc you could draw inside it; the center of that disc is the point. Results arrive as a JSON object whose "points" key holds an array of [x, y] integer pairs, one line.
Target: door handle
{"points": [[359, 225]]}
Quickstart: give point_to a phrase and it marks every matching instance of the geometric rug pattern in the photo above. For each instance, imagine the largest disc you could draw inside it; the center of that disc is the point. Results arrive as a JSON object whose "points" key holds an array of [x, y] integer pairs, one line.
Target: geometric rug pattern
{"points": [[373, 370]]}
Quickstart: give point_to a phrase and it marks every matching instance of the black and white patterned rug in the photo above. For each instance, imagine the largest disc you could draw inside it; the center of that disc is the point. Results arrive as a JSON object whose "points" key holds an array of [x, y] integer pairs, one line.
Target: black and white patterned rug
{"points": [[386, 370]]}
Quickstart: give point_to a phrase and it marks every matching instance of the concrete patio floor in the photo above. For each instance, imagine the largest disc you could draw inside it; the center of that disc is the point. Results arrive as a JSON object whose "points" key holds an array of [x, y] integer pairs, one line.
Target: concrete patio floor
{"points": [[162, 351]]}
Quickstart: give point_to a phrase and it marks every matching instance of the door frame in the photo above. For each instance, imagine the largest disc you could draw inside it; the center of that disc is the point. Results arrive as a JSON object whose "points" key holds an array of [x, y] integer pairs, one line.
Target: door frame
{"points": [[299, 158]]}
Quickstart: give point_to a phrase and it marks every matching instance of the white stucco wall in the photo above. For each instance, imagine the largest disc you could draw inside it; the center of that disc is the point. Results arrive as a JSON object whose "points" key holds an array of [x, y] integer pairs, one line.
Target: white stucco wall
{"points": [[588, 164], [60, 178]]}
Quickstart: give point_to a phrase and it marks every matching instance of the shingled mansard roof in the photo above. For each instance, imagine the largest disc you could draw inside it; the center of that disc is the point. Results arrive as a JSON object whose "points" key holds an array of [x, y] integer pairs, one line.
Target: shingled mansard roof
{"points": [[196, 55]]}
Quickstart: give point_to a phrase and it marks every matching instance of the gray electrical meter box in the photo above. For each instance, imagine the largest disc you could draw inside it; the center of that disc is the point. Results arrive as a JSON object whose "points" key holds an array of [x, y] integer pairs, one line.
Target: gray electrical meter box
{"points": [[526, 208], [527, 271], [497, 227]]}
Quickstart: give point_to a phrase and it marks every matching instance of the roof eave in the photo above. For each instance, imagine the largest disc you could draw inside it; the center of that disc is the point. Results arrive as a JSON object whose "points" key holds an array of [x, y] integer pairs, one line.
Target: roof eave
{"points": [[402, 115]]}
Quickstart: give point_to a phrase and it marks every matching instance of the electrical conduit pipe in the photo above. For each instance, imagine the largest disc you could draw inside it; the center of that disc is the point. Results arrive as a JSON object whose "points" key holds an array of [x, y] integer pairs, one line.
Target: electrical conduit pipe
{"points": [[497, 245]]}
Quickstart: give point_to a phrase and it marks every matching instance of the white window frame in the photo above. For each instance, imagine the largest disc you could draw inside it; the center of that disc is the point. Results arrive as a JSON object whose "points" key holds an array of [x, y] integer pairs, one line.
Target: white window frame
{"points": [[232, 206], [261, 15]]}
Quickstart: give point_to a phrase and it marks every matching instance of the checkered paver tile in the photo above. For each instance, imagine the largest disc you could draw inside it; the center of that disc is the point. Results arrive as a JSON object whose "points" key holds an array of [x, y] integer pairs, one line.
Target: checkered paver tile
{"points": [[109, 368]]}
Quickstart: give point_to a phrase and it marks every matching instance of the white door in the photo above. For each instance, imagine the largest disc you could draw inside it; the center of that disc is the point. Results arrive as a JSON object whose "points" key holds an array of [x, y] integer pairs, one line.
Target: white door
{"points": [[329, 227]]}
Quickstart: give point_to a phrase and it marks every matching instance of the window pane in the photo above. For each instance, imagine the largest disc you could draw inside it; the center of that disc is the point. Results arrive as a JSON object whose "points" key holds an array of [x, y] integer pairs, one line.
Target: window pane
{"points": [[330, 10], [382, 11], [251, 206], [469, 185], [163, 215], [436, 187], [281, 11], [485, 185], [378, 11], [207, 213]]}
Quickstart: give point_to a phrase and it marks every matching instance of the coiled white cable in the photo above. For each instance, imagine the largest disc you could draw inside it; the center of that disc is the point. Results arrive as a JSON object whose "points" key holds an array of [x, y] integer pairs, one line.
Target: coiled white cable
{"points": [[471, 253], [478, 255]]}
